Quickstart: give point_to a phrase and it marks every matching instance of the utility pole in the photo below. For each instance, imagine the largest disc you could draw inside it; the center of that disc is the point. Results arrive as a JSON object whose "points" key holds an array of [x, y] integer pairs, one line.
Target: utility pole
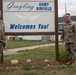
{"points": [[65, 8]]}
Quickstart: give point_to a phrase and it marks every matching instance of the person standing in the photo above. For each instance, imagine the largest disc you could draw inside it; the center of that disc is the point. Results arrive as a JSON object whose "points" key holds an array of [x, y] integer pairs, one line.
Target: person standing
{"points": [[69, 37], [2, 38]]}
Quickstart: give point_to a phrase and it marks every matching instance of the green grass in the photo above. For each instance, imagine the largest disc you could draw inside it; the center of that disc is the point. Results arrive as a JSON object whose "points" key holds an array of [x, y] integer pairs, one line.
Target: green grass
{"points": [[24, 43], [39, 54]]}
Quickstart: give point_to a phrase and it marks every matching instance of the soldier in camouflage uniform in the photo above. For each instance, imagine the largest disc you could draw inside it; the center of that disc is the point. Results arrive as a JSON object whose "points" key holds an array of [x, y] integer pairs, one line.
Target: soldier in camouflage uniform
{"points": [[2, 37], [69, 37]]}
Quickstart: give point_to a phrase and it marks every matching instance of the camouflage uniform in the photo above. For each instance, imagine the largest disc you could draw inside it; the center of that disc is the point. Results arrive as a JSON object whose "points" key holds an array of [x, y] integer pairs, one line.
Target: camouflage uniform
{"points": [[68, 36], [2, 37]]}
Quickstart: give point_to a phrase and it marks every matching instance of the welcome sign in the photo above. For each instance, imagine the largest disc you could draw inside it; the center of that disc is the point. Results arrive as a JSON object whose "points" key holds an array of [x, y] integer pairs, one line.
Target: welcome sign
{"points": [[29, 16]]}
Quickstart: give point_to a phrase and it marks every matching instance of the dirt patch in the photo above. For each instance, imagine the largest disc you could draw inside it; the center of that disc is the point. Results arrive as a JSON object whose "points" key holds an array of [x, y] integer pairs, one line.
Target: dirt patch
{"points": [[29, 64]]}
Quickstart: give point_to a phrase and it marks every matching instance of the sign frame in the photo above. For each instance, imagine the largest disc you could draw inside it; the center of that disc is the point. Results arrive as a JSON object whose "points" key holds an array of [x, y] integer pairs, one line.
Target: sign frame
{"points": [[37, 33]]}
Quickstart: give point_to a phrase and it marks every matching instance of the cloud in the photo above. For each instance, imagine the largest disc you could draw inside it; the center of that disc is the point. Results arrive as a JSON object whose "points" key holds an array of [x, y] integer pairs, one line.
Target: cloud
{"points": [[70, 7]]}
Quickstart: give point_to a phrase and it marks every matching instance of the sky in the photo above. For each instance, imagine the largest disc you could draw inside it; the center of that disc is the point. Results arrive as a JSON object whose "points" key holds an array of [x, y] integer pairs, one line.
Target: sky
{"points": [[70, 7]]}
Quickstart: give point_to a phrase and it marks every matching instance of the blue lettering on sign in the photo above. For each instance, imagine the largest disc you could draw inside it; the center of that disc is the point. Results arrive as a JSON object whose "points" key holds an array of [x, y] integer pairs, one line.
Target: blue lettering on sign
{"points": [[19, 26], [44, 6], [41, 26], [13, 5]]}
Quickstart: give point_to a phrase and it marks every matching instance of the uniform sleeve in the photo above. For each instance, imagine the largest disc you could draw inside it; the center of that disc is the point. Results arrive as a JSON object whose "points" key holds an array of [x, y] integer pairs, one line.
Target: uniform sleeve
{"points": [[75, 31], [2, 31], [62, 34], [3, 35]]}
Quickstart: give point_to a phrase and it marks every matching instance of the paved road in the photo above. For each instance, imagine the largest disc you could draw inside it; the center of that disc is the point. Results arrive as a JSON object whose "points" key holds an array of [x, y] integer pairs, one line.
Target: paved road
{"points": [[14, 51]]}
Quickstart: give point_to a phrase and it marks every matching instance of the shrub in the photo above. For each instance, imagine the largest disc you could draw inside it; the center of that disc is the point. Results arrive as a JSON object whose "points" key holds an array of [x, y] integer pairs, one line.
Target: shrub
{"points": [[63, 56]]}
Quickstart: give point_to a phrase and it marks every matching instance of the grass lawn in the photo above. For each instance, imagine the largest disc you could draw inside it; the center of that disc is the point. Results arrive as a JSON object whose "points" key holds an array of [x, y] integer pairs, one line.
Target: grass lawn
{"points": [[24, 43], [37, 55]]}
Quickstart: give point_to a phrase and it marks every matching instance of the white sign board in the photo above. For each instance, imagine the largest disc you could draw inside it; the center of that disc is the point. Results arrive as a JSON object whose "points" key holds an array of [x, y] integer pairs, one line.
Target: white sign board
{"points": [[29, 15]]}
